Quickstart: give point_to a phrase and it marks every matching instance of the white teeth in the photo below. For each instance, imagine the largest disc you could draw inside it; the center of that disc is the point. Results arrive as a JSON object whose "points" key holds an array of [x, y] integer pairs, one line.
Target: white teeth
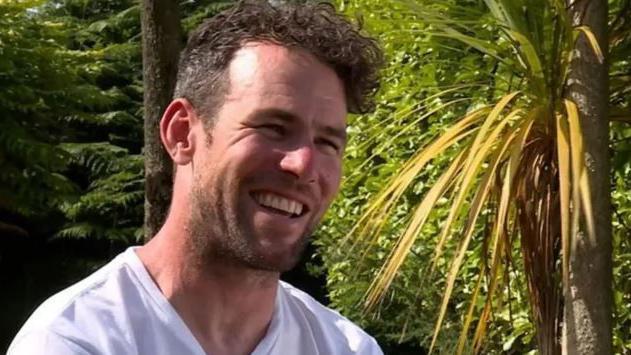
{"points": [[279, 203], [296, 207], [285, 205]]}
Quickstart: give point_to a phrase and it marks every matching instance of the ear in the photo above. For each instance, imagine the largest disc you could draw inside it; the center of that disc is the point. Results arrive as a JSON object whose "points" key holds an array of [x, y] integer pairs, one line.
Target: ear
{"points": [[176, 131]]}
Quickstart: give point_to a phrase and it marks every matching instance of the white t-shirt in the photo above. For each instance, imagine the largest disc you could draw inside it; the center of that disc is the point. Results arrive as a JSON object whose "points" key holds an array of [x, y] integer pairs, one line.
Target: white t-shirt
{"points": [[120, 310]]}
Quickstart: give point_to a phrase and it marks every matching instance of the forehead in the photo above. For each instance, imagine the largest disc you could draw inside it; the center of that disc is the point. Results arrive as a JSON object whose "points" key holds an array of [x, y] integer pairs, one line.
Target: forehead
{"points": [[267, 74], [261, 60]]}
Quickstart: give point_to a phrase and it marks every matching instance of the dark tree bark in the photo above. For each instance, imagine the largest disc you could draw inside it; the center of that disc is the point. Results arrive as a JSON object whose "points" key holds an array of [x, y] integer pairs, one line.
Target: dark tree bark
{"points": [[161, 43], [589, 295]]}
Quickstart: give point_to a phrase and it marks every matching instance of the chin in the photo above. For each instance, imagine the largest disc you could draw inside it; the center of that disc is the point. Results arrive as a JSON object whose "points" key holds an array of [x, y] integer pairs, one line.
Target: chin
{"points": [[279, 260], [273, 264]]}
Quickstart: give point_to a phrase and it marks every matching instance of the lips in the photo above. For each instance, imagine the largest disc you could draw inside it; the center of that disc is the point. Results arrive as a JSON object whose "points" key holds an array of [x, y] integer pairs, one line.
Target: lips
{"points": [[279, 204]]}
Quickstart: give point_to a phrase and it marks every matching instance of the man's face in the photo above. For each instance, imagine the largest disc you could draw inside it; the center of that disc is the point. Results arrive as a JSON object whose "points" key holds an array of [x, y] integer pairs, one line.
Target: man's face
{"points": [[271, 165]]}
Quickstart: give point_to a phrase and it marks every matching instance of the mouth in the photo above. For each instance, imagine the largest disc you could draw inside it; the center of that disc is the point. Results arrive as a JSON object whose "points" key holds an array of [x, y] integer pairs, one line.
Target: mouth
{"points": [[279, 204]]}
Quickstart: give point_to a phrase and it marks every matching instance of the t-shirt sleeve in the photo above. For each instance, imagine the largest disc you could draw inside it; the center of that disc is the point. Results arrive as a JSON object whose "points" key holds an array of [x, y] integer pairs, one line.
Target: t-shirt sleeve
{"points": [[45, 342], [370, 347]]}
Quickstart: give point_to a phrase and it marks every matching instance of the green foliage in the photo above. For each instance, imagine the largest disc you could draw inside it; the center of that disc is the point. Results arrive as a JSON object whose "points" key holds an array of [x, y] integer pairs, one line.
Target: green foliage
{"points": [[621, 143], [620, 103], [71, 133], [106, 129], [194, 12], [420, 66], [423, 62], [107, 156], [63, 84], [112, 204], [34, 69]]}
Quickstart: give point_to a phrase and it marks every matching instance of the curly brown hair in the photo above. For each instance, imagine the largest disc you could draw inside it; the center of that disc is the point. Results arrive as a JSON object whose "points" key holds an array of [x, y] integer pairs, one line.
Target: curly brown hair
{"points": [[316, 28]]}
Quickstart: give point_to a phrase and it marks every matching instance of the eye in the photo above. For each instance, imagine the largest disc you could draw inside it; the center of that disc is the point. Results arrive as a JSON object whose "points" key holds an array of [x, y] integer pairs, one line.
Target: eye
{"points": [[329, 145], [273, 129]]}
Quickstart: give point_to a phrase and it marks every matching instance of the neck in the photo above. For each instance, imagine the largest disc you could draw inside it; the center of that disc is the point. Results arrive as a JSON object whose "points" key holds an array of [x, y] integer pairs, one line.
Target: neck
{"points": [[227, 307]]}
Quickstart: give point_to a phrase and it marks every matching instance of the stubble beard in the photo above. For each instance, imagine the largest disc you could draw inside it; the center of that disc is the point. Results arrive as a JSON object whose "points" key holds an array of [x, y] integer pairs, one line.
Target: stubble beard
{"points": [[220, 233]]}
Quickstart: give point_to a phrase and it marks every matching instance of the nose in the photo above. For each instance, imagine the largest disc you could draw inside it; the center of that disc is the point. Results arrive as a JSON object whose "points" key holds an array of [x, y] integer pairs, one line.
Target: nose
{"points": [[300, 163]]}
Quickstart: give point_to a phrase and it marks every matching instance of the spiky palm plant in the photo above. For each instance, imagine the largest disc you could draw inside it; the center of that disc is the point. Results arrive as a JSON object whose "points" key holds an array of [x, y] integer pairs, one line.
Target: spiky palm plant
{"points": [[517, 176]]}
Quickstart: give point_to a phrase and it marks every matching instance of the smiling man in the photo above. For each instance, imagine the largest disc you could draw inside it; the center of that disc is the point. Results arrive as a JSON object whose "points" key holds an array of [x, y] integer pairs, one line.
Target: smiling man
{"points": [[257, 133]]}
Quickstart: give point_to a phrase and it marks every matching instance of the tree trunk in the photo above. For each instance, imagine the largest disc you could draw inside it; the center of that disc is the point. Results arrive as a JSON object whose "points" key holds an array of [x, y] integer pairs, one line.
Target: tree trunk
{"points": [[588, 297], [161, 43]]}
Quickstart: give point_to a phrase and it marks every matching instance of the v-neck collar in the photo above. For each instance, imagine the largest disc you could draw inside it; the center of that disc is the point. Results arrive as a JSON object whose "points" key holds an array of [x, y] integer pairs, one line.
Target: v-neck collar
{"points": [[177, 324]]}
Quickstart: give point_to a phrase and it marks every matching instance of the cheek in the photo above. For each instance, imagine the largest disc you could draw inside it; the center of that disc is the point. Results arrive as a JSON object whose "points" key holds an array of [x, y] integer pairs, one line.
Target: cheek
{"points": [[244, 155], [331, 177]]}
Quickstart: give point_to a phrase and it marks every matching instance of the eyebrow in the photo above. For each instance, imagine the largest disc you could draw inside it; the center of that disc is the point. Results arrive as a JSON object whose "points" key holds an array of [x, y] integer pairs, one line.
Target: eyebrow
{"points": [[289, 117]]}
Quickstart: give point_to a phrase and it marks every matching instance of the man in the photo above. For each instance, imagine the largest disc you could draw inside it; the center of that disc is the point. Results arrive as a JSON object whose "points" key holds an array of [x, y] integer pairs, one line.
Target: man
{"points": [[256, 132]]}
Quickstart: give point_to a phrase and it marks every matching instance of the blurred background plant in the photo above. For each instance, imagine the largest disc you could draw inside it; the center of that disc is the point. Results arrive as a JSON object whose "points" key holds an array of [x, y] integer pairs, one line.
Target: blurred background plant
{"points": [[395, 270]]}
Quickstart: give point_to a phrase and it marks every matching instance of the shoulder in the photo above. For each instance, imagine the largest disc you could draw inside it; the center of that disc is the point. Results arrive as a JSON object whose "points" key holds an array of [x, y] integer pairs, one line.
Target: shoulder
{"points": [[44, 341], [74, 316], [329, 323]]}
